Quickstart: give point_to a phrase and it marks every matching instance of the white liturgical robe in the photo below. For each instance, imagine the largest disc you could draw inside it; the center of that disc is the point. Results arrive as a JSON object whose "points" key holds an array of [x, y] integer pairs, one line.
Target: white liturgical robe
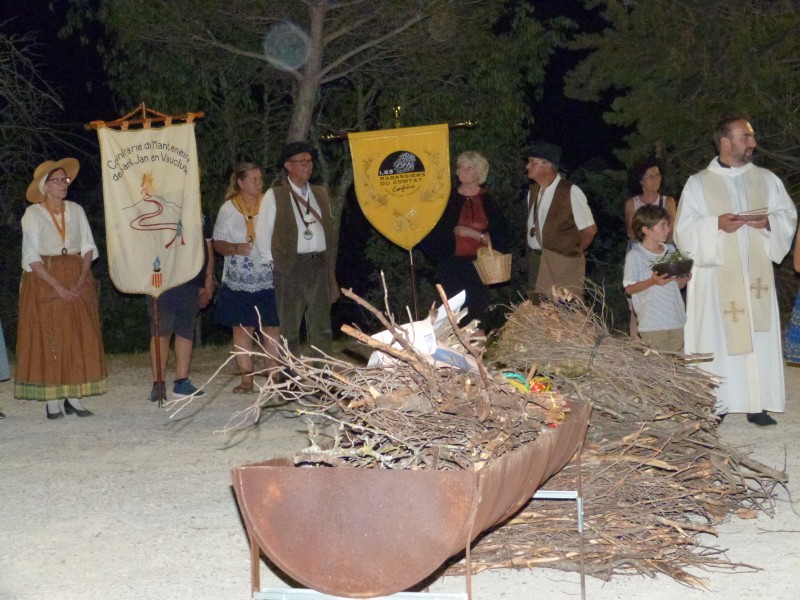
{"points": [[731, 304]]}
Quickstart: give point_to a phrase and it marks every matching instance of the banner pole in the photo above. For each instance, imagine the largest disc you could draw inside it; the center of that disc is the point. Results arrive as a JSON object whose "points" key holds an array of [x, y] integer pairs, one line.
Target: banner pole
{"points": [[157, 344], [413, 281], [338, 137]]}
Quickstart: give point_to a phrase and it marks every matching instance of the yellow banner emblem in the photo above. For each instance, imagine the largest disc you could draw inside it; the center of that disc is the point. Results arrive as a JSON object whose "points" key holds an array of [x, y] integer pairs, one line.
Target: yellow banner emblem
{"points": [[402, 179]]}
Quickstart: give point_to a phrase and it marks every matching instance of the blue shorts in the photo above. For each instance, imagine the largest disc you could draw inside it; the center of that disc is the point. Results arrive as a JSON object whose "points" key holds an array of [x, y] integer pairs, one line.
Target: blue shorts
{"points": [[238, 309], [177, 311]]}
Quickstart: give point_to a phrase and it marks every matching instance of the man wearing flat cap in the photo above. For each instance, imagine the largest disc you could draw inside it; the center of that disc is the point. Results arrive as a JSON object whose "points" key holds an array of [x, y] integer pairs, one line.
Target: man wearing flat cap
{"points": [[298, 223], [560, 226]]}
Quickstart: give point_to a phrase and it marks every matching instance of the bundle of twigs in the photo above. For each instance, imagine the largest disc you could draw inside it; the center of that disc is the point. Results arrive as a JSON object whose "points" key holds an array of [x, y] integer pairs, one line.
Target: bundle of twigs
{"points": [[424, 418], [654, 471], [410, 414]]}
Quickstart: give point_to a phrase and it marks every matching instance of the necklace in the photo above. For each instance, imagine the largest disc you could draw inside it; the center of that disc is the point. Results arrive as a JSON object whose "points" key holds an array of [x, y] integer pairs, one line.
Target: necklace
{"points": [[298, 201], [62, 229]]}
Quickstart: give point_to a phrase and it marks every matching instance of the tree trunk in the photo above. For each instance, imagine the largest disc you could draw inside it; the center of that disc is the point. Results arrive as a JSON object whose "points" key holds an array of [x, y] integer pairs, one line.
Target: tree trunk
{"points": [[309, 76]]}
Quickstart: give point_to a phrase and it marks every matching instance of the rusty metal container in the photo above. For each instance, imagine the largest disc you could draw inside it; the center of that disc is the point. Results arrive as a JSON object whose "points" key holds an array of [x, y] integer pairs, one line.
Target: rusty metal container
{"points": [[361, 533]]}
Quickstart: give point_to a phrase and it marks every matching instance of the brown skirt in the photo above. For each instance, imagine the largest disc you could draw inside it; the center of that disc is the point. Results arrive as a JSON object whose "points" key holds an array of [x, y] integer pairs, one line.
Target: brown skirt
{"points": [[59, 344]]}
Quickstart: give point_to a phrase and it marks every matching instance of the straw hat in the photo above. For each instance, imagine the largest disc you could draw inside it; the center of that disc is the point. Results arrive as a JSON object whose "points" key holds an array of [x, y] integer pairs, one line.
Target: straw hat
{"points": [[70, 166]]}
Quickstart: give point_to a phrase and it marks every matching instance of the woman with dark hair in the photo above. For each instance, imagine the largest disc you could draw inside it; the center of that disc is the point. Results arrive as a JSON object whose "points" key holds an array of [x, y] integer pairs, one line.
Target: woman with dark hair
{"points": [[59, 345], [471, 220], [246, 299], [647, 175]]}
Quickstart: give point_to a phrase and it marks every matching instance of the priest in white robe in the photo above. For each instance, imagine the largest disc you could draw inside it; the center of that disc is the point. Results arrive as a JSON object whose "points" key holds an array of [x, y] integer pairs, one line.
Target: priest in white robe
{"points": [[735, 219]]}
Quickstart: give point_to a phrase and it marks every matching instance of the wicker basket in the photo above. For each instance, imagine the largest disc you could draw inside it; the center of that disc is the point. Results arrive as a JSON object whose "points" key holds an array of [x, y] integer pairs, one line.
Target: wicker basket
{"points": [[493, 267]]}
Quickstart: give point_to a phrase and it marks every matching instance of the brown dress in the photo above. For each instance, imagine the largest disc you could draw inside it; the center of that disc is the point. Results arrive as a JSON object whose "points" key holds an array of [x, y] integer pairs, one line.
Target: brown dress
{"points": [[59, 343]]}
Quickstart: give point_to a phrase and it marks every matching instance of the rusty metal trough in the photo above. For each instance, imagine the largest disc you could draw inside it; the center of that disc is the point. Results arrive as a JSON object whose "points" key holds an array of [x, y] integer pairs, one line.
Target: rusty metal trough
{"points": [[361, 533]]}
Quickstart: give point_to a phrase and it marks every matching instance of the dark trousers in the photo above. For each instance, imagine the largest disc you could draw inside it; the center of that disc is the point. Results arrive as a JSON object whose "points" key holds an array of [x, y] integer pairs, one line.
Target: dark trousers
{"points": [[534, 261], [305, 290], [456, 274]]}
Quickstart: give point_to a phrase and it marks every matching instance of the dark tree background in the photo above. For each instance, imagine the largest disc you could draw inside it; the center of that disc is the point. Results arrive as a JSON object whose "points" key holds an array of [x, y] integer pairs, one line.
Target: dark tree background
{"points": [[610, 81]]}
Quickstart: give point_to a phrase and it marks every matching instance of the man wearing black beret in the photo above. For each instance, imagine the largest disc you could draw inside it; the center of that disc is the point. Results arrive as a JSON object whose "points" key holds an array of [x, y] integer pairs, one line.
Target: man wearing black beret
{"points": [[560, 226], [299, 225]]}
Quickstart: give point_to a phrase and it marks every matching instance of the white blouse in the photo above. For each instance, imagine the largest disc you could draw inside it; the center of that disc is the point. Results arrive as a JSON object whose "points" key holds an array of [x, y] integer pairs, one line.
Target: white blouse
{"points": [[40, 236], [243, 273]]}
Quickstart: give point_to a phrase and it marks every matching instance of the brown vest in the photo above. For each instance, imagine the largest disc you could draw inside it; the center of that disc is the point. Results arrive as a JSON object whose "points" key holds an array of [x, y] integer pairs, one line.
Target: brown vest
{"points": [[284, 234], [559, 234]]}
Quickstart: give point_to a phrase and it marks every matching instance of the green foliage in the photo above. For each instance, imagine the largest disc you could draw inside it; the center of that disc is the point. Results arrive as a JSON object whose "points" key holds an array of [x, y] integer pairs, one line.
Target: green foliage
{"points": [[677, 67], [10, 273], [606, 192], [674, 69], [28, 111], [482, 80], [671, 257], [440, 61]]}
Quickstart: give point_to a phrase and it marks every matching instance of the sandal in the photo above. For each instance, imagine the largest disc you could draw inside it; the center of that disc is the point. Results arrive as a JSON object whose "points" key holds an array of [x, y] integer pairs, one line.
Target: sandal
{"points": [[243, 388], [246, 386]]}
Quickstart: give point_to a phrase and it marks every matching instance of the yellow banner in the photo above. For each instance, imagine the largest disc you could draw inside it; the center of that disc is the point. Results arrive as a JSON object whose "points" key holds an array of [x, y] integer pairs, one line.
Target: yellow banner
{"points": [[151, 191], [402, 179]]}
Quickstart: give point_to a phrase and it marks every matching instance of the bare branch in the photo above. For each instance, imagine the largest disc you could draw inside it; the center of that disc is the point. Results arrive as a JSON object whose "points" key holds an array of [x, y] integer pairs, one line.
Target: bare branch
{"points": [[371, 44]]}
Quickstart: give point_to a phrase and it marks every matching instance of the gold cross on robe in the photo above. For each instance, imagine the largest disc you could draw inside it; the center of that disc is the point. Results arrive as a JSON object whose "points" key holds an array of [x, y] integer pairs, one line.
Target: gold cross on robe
{"points": [[759, 287], [733, 312]]}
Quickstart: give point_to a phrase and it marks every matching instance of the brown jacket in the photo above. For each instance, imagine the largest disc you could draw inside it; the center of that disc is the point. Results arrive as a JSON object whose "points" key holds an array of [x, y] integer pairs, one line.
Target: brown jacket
{"points": [[284, 234]]}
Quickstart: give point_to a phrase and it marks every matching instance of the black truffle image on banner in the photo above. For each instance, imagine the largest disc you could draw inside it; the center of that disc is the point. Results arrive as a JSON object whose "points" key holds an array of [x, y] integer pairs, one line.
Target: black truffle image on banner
{"points": [[403, 171]]}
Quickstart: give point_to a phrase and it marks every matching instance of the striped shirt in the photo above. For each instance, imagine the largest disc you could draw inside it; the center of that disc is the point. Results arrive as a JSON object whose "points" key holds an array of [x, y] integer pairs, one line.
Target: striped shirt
{"points": [[658, 307]]}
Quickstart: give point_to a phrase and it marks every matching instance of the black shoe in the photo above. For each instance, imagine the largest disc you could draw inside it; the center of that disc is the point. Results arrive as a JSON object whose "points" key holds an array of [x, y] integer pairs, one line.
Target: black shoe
{"points": [[56, 415], [159, 392], [761, 419], [721, 417], [71, 410], [2, 416]]}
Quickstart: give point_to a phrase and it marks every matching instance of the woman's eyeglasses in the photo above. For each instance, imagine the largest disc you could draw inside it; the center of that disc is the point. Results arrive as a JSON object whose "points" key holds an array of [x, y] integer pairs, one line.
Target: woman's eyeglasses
{"points": [[60, 180]]}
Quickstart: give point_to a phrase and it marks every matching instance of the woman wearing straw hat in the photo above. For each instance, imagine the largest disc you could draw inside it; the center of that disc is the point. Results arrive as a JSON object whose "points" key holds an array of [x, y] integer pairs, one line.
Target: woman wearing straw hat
{"points": [[59, 345]]}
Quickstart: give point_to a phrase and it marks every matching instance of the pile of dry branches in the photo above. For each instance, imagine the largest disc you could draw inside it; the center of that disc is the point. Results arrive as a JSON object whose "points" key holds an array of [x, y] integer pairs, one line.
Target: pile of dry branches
{"points": [[410, 414], [654, 471]]}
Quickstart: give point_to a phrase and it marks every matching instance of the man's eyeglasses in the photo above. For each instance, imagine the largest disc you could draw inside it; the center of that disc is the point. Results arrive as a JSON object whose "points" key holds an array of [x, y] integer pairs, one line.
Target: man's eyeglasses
{"points": [[301, 161], [60, 180]]}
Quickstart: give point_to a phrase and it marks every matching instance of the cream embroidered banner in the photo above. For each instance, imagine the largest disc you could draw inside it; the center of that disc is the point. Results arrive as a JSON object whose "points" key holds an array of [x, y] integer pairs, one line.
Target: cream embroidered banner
{"points": [[151, 190], [402, 179]]}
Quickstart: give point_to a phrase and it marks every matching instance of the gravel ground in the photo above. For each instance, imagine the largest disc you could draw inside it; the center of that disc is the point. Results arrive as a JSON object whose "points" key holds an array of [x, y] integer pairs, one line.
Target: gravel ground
{"points": [[134, 504]]}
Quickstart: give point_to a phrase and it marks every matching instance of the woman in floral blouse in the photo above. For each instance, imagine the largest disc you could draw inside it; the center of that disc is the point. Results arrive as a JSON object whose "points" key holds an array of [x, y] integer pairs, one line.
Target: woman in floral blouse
{"points": [[246, 300]]}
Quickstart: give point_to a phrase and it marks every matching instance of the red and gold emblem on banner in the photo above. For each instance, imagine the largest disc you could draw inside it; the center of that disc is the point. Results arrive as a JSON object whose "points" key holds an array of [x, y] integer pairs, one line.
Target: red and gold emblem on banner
{"points": [[157, 273]]}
